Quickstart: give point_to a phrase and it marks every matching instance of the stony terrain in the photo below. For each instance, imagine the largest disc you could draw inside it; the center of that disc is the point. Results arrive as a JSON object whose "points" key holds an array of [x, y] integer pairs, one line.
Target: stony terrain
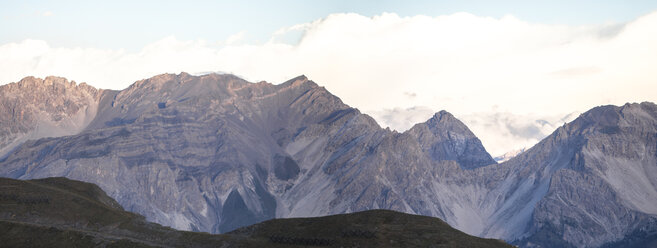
{"points": [[35, 108], [58, 212], [603, 177], [215, 153]]}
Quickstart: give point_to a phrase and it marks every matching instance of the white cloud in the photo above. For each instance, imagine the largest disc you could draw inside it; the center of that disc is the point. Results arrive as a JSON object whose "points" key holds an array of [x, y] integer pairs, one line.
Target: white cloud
{"points": [[47, 13], [387, 65], [401, 119], [502, 132], [234, 39]]}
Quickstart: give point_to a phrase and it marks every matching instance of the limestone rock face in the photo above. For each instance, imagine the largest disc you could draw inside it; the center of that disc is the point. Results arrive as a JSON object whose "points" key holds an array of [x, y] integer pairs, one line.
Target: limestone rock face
{"points": [[444, 137], [213, 153], [35, 108], [605, 187]]}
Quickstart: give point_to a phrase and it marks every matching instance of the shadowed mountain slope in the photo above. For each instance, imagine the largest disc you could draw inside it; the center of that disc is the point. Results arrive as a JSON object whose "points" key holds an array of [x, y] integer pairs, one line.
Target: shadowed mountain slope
{"points": [[57, 212]]}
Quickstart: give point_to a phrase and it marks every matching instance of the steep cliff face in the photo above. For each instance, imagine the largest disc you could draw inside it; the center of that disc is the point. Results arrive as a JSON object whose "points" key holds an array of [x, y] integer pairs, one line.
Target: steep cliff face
{"points": [[214, 153], [444, 137], [35, 108], [605, 186]]}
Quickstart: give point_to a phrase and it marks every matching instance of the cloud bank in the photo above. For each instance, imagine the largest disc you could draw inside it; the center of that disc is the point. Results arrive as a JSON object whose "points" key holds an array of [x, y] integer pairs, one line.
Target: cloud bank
{"points": [[501, 132], [402, 69]]}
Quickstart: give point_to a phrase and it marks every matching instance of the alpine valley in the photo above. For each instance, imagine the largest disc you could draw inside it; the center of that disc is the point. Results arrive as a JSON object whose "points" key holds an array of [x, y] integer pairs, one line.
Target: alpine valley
{"points": [[214, 153]]}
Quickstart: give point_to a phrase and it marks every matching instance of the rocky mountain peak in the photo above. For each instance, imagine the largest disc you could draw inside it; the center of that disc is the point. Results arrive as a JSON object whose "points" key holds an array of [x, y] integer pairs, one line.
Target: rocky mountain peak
{"points": [[610, 119], [296, 80], [608, 115], [177, 88], [302, 81], [444, 137], [607, 155], [443, 119], [441, 116], [51, 80], [33, 108], [635, 111], [51, 84]]}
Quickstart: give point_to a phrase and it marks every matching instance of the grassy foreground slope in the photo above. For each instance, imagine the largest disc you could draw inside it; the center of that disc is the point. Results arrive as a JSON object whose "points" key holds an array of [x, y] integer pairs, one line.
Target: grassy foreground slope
{"points": [[58, 212], [372, 228]]}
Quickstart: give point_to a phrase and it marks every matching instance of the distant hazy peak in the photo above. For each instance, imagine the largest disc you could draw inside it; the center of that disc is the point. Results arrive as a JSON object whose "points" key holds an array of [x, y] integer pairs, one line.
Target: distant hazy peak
{"points": [[509, 155]]}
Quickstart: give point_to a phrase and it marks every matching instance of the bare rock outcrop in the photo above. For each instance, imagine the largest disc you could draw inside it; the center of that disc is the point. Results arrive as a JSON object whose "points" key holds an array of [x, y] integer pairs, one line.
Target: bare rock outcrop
{"points": [[35, 108], [214, 153]]}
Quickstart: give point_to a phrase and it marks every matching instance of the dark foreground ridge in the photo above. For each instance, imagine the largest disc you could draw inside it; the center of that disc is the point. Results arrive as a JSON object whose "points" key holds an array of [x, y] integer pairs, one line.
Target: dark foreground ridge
{"points": [[372, 228], [58, 212]]}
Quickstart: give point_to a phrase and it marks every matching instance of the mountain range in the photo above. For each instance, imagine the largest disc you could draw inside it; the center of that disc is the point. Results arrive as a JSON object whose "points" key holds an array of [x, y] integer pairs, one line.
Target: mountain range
{"points": [[214, 153]]}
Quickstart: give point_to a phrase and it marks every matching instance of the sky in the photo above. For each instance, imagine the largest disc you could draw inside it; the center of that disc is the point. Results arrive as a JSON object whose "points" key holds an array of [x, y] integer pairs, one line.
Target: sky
{"points": [[512, 71]]}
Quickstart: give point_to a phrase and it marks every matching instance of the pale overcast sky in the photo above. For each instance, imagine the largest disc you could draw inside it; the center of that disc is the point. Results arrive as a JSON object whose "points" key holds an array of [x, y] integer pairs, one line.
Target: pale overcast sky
{"points": [[133, 24], [513, 71]]}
